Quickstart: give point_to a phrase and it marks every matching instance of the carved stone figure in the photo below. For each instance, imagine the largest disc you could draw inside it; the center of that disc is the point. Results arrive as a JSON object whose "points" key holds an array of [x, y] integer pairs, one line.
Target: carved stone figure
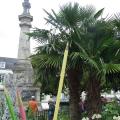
{"points": [[26, 6]]}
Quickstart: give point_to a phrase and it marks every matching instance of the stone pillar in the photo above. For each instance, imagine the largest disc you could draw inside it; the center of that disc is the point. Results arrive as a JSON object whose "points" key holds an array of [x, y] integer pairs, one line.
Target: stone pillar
{"points": [[25, 24], [23, 70]]}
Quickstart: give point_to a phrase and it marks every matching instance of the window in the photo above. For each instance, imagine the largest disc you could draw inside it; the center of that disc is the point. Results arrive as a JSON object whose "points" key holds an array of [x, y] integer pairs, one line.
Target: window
{"points": [[2, 64], [1, 78]]}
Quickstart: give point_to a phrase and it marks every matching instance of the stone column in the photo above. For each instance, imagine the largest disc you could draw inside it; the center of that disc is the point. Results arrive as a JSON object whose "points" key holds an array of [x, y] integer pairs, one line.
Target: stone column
{"points": [[23, 70], [25, 24]]}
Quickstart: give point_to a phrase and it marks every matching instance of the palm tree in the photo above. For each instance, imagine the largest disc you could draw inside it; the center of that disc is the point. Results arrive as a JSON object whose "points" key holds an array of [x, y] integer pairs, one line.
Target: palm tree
{"points": [[65, 23], [87, 36], [49, 59], [102, 60]]}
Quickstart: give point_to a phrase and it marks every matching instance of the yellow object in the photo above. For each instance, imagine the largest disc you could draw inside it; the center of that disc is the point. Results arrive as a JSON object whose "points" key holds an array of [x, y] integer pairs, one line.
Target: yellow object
{"points": [[61, 83]]}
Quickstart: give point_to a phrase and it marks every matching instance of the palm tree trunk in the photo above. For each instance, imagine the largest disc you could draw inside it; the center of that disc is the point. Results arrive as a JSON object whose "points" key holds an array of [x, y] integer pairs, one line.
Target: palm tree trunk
{"points": [[93, 96], [74, 92]]}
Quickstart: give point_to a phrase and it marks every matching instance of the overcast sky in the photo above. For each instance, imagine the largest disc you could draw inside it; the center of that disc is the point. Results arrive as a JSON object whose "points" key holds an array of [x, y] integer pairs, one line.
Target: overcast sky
{"points": [[9, 24]]}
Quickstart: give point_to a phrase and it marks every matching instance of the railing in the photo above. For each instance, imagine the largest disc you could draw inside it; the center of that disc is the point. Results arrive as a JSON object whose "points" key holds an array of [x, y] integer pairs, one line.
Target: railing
{"points": [[63, 113], [42, 115]]}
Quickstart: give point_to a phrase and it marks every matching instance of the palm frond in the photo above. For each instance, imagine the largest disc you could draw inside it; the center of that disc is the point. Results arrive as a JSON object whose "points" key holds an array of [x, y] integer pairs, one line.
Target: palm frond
{"points": [[86, 59], [70, 14], [117, 21], [99, 13], [40, 35], [48, 60], [50, 16], [112, 68]]}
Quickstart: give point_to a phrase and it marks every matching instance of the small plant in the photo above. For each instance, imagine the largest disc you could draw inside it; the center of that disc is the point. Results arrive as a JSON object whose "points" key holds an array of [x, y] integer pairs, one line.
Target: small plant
{"points": [[110, 111], [94, 117], [64, 114]]}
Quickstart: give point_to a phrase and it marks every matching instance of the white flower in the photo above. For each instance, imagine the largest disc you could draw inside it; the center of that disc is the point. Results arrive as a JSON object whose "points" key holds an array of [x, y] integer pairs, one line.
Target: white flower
{"points": [[116, 117], [96, 116], [85, 118]]}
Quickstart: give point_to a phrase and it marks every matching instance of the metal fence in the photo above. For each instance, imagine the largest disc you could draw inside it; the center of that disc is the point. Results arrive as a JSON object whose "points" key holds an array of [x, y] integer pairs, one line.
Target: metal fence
{"points": [[42, 115]]}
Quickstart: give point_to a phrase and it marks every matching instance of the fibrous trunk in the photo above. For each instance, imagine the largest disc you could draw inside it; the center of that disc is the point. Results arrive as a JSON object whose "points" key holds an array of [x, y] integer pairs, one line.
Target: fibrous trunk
{"points": [[93, 96], [74, 92]]}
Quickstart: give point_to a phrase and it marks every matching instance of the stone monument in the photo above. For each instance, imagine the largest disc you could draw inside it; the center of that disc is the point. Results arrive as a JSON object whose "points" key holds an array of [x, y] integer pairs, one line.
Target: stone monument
{"points": [[21, 66]]}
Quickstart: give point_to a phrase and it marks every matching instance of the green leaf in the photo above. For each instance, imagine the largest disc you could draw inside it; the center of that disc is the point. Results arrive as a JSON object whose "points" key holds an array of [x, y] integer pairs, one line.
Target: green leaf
{"points": [[97, 15], [112, 68]]}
